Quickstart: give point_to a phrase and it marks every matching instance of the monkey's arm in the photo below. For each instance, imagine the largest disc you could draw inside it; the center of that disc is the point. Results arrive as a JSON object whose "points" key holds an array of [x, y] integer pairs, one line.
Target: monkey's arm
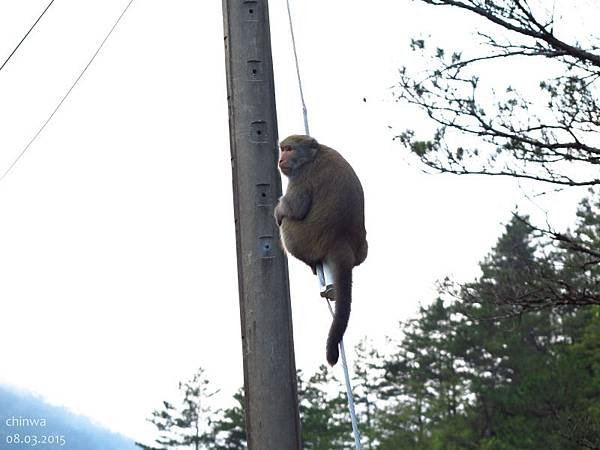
{"points": [[294, 205]]}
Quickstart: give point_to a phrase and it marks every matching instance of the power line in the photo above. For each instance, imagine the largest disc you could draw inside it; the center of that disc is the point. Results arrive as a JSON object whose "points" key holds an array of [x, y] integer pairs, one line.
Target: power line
{"points": [[67, 93], [26, 34], [304, 110]]}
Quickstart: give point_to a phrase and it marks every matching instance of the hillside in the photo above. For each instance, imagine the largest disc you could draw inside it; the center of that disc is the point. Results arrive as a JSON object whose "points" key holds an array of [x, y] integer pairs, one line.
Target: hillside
{"points": [[28, 422]]}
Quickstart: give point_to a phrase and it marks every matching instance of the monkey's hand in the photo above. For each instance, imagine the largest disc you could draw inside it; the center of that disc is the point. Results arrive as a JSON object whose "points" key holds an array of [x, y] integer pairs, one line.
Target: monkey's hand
{"points": [[279, 214]]}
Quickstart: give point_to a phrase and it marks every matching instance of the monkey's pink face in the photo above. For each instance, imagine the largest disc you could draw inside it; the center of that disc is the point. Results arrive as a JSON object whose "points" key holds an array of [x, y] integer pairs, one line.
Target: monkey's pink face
{"points": [[287, 158]]}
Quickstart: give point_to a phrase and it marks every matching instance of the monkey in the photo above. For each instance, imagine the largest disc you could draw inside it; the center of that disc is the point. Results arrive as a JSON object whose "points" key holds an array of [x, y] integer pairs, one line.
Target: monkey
{"points": [[321, 220]]}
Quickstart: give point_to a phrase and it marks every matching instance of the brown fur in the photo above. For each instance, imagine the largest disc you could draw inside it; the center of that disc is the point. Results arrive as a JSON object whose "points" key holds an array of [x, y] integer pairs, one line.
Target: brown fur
{"points": [[322, 219]]}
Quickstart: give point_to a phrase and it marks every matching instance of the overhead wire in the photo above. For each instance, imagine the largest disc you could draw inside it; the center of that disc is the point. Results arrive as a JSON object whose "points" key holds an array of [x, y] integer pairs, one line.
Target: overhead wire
{"points": [[62, 100], [26, 34], [304, 110]]}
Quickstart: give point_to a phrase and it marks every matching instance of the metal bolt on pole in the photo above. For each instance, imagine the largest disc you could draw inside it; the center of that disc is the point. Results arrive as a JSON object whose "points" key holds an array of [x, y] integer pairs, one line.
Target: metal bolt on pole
{"points": [[272, 421]]}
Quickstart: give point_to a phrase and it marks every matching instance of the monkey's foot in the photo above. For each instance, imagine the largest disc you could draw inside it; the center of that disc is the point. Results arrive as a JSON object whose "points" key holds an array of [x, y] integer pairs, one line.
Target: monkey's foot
{"points": [[329, 293]]}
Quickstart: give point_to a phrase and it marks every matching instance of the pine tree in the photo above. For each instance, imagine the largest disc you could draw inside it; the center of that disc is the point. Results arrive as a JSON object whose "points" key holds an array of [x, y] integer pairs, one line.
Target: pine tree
{"points": [[229, 430], [365, 385], [185, 424], [464, 375], [323, 412]]}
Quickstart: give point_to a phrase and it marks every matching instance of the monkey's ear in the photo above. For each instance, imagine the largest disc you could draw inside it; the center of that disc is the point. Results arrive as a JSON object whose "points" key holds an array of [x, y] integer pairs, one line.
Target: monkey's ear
{"points": [[314, 147]]}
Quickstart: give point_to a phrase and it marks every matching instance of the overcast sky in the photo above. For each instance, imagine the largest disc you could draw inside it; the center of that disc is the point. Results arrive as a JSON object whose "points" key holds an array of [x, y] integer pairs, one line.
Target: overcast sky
{"points": [[117, 246]]}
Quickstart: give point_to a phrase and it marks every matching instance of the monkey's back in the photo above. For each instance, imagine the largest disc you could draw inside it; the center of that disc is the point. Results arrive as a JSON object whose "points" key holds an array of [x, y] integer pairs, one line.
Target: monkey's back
{"points": [[336, 216]]}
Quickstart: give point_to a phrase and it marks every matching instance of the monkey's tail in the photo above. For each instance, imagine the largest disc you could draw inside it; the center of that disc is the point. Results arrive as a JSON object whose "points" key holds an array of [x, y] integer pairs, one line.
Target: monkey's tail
{"points": [[342, 279]]}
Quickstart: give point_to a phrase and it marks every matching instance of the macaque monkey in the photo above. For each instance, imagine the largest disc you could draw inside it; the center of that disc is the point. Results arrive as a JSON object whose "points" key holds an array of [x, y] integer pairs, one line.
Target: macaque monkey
{"points": [[321, 218]]}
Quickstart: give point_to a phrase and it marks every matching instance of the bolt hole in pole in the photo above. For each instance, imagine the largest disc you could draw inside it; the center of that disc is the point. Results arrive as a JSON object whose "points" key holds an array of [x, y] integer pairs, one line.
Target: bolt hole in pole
{"points": [[251, 8], [266, 246], [259, 131], [262, 194]]}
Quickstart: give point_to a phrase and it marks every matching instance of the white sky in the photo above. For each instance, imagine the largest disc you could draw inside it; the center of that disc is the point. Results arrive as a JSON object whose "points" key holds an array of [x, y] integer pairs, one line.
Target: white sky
{"points": [[117, 246]]}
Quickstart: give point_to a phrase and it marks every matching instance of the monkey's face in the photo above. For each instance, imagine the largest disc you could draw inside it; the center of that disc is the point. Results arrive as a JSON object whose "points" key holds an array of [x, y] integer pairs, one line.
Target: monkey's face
{"points": [[288, 160], [294, 156]]}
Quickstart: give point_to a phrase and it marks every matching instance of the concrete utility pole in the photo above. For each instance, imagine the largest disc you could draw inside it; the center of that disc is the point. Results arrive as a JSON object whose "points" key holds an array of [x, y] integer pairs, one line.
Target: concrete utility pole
{"points": [[272, 421]]}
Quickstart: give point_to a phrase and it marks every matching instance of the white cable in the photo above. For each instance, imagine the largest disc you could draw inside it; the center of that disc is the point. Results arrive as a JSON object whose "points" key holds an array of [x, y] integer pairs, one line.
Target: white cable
{"points": [[325, 283], [355, 429], [304, 111]]}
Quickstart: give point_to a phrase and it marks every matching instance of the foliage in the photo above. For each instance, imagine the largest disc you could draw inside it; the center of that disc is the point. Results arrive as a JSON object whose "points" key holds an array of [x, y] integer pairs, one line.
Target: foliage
{"points": [[185, 424], [553, 140], [548, 133], [229, 430], [464, 376], [322, 412], [533, 271], [366, 383]]}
